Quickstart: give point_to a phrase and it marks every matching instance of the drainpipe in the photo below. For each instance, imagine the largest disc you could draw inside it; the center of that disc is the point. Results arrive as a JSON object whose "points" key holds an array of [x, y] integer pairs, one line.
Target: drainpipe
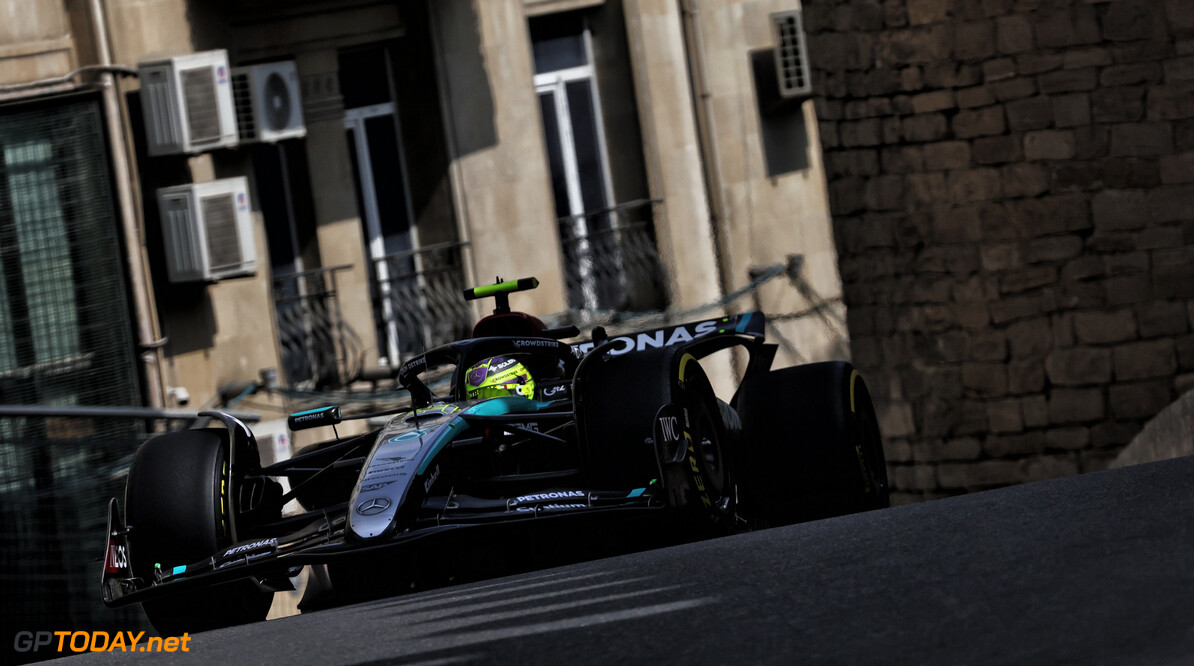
{"points": [[149, 342], [702, 100]]}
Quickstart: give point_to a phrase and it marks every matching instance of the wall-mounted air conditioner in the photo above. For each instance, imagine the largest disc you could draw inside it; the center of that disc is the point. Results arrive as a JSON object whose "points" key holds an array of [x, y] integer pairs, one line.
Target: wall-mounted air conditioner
{"points": [[269, 107], [186, 102], [791, 55], [208, 230]]}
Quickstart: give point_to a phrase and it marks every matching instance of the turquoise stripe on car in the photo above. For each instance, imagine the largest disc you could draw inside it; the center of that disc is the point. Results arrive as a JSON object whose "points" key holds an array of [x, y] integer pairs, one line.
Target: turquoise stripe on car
{"points": [[741, 327], [491, 407]]}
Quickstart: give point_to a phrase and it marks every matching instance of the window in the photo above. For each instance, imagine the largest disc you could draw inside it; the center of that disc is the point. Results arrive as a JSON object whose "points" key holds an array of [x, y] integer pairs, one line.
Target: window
{"points": [[565, 81], [415, 288], [373, 131]]}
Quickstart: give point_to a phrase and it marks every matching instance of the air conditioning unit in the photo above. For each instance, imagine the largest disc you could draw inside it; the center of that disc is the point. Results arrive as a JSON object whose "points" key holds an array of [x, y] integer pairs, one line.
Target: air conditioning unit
{"points": [[208, 230], [269, 107], [791, 55], [186, 102]]}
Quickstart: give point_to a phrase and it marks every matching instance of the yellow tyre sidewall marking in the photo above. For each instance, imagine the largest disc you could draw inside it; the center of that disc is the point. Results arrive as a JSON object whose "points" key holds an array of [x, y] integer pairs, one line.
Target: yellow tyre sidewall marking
{"points": [[224, 498], [697, 477], [684, 366], [853, 378]]}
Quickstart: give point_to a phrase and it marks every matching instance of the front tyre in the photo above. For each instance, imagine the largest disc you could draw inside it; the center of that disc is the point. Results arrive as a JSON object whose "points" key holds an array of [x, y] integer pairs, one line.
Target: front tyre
{"points": [[177, 504]]}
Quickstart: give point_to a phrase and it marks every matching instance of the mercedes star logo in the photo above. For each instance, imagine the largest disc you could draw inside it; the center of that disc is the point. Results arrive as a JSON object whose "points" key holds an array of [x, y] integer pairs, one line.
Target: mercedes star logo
{"points": [[372, 506]]}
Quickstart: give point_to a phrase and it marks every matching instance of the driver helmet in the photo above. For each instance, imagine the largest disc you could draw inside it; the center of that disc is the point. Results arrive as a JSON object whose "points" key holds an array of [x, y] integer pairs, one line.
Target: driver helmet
{"points": [[497, 377]]}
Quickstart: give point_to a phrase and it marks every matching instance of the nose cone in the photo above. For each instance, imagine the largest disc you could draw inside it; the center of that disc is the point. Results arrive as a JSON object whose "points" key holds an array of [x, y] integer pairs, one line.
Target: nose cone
{"points": [[385, 481]]}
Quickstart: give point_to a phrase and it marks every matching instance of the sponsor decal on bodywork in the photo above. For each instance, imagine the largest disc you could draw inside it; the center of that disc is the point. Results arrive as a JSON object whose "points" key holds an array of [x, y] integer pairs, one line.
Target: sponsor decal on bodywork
{"points": [[671, 425], [369, 487], [373, 505], [118, 559], [535, 343], [431, 480], [538, 497], [550, 507], [237, 550], [749, 323], [237, 554], [549, 500], [413, 365], [663, 337]]}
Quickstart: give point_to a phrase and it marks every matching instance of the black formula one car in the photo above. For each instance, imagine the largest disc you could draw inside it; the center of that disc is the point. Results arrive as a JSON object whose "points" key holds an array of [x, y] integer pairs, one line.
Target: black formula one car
{"points": [[530, 434]]}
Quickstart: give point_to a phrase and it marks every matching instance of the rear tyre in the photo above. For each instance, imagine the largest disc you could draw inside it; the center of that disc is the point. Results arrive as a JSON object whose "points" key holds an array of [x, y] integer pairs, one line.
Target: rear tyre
{"points": [[711, 490], [177, 504], [811, 445]]}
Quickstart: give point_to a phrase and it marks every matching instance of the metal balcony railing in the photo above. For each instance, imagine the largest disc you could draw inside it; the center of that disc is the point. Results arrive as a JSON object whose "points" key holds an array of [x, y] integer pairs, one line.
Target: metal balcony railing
{"points": [[611, 260], [318, 347], [419, 294]]}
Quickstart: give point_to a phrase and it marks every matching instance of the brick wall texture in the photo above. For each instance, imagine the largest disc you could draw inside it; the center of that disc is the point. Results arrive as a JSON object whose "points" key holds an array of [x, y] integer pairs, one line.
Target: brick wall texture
{"points": [[1012, 185]]}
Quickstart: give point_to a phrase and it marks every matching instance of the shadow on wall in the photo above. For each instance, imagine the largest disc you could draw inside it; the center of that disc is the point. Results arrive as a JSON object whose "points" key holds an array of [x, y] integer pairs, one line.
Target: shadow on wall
{"points": [[469, 97], [185, 308], [781, 121]]}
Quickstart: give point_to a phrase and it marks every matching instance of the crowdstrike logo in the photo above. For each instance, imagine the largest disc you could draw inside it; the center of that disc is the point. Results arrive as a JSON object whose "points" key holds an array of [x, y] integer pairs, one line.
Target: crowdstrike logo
{"points": [[535, 343]]}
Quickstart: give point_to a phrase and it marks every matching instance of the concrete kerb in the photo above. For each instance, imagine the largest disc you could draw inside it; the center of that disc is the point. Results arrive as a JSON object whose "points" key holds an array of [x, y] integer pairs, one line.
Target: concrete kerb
{"points": [[1170, 434]]}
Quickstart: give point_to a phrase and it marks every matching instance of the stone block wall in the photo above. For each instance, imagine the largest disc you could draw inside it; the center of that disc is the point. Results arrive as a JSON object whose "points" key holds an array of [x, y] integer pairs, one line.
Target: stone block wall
{"points": [[1012, 185]]}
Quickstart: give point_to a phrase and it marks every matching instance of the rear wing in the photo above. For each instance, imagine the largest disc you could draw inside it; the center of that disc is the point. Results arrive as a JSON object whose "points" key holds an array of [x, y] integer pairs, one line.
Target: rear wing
{"points": [[751, 324]]}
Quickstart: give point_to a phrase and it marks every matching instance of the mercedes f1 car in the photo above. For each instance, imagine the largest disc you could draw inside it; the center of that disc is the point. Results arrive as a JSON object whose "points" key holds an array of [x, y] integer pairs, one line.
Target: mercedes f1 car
{"points": [[524, 432]]}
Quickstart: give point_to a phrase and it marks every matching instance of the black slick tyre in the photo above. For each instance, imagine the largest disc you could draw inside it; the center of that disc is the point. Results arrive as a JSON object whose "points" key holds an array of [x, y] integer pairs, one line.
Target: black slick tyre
{"points": [[811, 445], [711, 491], [177, 505]]}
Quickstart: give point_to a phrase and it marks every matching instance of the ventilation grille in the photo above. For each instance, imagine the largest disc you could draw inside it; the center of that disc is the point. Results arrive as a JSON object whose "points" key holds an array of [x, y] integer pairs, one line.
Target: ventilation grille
{"points": [[203, 117], [183, 244], [791, 55], [155, 89], [242, 97], [223, 243]]}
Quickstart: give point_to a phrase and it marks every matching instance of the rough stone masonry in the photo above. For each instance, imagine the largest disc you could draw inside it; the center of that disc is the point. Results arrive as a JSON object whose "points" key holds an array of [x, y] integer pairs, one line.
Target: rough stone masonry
{"points": [[1012, 185]]}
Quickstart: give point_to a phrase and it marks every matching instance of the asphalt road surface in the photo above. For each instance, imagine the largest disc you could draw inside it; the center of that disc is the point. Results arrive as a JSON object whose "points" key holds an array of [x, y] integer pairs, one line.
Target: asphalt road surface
{"points": [[1092, 569]]}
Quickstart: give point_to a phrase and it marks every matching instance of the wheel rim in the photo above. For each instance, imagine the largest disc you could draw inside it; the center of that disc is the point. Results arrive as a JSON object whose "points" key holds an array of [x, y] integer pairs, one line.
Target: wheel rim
{"points": [[709, 454]]}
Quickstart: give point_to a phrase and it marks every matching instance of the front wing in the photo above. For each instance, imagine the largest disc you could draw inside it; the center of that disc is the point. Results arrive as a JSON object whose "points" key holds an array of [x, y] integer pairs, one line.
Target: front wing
{"points": [[319, 537]]}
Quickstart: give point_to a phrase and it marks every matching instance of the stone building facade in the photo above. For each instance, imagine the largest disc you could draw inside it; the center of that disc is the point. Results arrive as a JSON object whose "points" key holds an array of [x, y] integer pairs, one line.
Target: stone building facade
{"points": [[457, 108], [1012, 184]]}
